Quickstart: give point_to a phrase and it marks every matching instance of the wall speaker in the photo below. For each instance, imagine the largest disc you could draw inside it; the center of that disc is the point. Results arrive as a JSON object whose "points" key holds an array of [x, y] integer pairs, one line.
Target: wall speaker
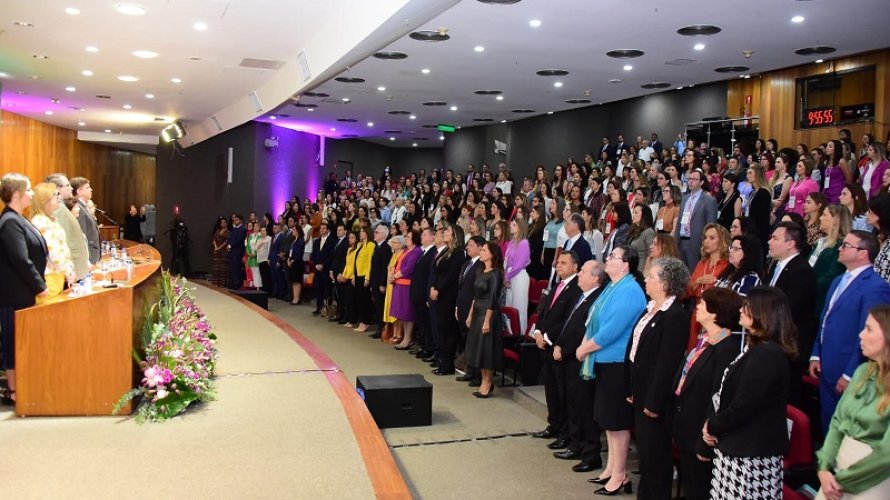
{"points": [[229, 163]]}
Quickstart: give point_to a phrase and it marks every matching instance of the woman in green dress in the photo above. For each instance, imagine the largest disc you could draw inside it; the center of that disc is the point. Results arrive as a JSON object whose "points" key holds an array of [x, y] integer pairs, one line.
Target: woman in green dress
{"points": [[854, 462]]}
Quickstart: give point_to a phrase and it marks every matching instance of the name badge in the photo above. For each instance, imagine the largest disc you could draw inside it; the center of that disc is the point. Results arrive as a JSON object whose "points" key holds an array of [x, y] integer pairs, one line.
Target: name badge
{"points": [[659, 224], [686, 218], [715, 401], [827, 180], [546, 234], [603, 214], [791, 202]]}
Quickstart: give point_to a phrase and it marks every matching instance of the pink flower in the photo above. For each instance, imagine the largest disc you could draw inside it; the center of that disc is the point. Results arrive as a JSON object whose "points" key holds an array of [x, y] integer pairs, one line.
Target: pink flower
{"points": [[167, 376], [153, 376]]}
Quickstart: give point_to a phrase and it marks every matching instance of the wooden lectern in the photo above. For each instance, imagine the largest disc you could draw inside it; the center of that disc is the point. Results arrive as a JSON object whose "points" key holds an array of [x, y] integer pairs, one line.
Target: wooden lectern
{"points": [[74, 355], [109, 233]]}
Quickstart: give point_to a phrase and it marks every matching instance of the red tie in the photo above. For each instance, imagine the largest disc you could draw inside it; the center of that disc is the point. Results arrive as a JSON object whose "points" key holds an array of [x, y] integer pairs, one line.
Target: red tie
{"points": [[559, 288]]}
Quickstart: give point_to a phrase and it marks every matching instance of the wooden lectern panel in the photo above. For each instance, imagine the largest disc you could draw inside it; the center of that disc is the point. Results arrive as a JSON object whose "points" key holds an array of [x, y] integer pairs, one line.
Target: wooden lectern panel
{"points": [[109, 233], [74, 355]]}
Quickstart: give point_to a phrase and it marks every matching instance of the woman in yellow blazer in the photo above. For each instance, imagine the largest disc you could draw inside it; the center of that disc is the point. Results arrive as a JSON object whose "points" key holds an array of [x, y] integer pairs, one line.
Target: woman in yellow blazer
{"points": [[347, 282], [363, 304]]}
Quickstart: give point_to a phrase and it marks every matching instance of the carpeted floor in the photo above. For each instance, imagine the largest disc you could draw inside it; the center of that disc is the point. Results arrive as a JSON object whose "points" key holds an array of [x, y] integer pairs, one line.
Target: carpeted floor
{"points": [[269, 435], [475, 448]]}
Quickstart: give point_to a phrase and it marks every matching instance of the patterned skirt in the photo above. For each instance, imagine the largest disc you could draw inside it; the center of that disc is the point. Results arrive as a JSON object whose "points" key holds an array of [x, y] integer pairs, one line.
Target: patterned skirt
{"points": [[751, 478]]}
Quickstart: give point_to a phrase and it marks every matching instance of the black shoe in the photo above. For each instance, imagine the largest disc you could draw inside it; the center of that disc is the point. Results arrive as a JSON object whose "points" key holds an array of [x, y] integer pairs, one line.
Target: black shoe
{"points": [[440, 371], [559, 444], [597, 480], [334, 319], [436, 363], [422, 354], [430, 358], [479, 395], [567, 454], [586, 466], [627, 486], [400, 348], [545, 434], [463, 378], [474, 383], [375, 335], [316, 312], [341, 322]]}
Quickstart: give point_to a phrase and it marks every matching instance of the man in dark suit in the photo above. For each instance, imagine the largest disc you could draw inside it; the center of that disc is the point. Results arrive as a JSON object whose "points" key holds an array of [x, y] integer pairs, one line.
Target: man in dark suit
{"points": [[322, 252], [697, 210], [655, 144], [584, 433], [468, 273], [378, 278], [607, 149], [620, 147], [443, 293], [236, 242], [791, 273], [836, 353], [418, 293], [84, 193], [275, 263], [287, 240], [574, 225], [551, 318], [338, 264]]}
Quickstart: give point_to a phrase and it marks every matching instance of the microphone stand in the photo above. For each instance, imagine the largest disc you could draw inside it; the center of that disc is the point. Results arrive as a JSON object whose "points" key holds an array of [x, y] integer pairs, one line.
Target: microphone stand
{"points": [[99, 210]]}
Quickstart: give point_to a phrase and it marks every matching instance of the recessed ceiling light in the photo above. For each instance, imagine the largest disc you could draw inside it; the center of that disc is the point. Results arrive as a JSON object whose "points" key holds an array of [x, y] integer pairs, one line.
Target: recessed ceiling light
{"points": [[381, 88], [615, 80], [72, 11], [370, 124], [273, 117], [47, 112], [149, 96], [557, 84], [412, 117], [55, 100], [550, 112], [81, 124], [499, 98], [310, 109], [680, 88], [127, 106], [441, 137], [40, 56], [453, 108], [747, 77], [70, 89], [145, 54], [333, 129], [23, 24], [176, 80], [425, 71], [535, 23], [92, 48], [200, 26], [128, 78], [107, 131], [392, 138], [820, 61], [86, 72], [797, 19], [628, 67], [345, 99], [34, 77], [479, 48], [129, 9], [699, 46], [503, 121], [414, 144], [4, 75]]}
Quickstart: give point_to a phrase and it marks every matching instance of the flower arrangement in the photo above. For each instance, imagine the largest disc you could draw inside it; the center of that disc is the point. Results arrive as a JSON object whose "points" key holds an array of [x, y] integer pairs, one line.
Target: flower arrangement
{"points": [[179, 355]]}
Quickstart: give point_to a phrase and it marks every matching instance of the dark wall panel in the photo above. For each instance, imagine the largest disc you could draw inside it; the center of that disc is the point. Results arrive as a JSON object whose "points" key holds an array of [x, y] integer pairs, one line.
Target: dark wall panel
{"points": [[464, 147], [289, 169], [407, 160], [365, 157]]}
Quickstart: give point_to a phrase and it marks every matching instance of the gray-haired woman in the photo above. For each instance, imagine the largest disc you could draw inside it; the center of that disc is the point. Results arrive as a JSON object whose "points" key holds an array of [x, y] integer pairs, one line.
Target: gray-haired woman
{"points": [[654, 354]]}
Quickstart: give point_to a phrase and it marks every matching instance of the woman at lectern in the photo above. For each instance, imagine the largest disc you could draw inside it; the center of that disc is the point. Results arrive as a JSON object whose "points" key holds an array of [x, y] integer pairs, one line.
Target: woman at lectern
{"points": [[59, 266], [22, 264]]}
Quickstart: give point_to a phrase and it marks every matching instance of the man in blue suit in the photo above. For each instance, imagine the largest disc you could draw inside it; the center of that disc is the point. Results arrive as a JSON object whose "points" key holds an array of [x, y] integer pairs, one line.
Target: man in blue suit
{"points": [[278, 281], [697, 210], [836, 352], [236, 241], [322, 251]]}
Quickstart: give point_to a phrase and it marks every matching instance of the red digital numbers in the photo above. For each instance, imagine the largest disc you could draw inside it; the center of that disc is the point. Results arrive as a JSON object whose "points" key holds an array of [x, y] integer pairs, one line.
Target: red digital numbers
{"points": [[819, 117]]}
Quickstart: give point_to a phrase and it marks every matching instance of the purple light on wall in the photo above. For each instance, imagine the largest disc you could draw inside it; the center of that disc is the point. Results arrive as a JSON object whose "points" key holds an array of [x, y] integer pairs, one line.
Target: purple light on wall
{"points": [[293, 166]]}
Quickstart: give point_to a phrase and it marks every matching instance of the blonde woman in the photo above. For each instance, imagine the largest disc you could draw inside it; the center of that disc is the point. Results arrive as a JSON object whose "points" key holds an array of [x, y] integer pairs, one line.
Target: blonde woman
{"points": [[853, 461], [59, 266], [517, 258], [835, 222]]}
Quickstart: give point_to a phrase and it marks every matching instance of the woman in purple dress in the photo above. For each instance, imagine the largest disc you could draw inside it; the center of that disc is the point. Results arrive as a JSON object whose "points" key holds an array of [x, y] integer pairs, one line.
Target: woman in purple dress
{"points": [[837, 173], [401, 307]]}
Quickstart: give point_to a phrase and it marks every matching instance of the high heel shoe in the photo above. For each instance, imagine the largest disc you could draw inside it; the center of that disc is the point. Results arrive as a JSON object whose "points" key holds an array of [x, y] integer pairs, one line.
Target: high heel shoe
{"points": [[626, 485], [490, 393], [598, 480]]}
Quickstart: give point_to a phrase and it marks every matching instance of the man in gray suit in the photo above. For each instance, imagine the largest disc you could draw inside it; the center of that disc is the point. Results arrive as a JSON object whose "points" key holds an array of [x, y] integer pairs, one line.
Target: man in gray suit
{"points": [[84, 193], [77, 242], [698, 209]]}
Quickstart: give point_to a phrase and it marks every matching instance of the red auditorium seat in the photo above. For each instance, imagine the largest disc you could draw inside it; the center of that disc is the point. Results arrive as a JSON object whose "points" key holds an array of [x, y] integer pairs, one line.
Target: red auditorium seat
{"points": [[510, 337]]}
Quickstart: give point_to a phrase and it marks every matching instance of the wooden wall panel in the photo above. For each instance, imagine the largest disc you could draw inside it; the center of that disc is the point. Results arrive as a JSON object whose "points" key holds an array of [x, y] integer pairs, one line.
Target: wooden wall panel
{"points": [[119, 178], [773, 98]]}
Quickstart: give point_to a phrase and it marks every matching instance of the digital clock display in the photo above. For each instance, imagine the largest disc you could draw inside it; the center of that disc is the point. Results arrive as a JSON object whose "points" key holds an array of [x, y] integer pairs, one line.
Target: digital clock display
{"points": [[818, 117]]}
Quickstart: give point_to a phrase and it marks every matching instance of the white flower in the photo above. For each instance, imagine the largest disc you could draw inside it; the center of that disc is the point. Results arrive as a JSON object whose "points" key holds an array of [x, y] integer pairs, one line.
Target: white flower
{"points": [[162, 393]]}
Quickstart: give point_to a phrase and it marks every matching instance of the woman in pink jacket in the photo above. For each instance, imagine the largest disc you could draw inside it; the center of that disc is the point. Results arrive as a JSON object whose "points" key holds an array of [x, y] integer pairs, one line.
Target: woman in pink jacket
{"points": [[802, 187]]}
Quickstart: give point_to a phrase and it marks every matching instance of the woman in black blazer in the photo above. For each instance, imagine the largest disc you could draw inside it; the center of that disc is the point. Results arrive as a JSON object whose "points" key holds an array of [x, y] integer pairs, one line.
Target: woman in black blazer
{"points": [[654, 353], [22, 264], [748, 429], [443, 291], [697, 380]]}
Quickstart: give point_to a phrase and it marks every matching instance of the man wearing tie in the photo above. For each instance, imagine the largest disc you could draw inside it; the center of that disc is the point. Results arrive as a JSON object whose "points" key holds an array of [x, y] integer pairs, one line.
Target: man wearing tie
{"points": [[607, 150], [836, 352], [574, 241], [84, 193], [236, 241], [656, 145], [278, 281], [468, 274], [322, 251], [338, 264], [792, 274], [419, 294], [697, 211], [377, 280], [584, 433], [551, 318], [471, 174], [619, 148]]}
